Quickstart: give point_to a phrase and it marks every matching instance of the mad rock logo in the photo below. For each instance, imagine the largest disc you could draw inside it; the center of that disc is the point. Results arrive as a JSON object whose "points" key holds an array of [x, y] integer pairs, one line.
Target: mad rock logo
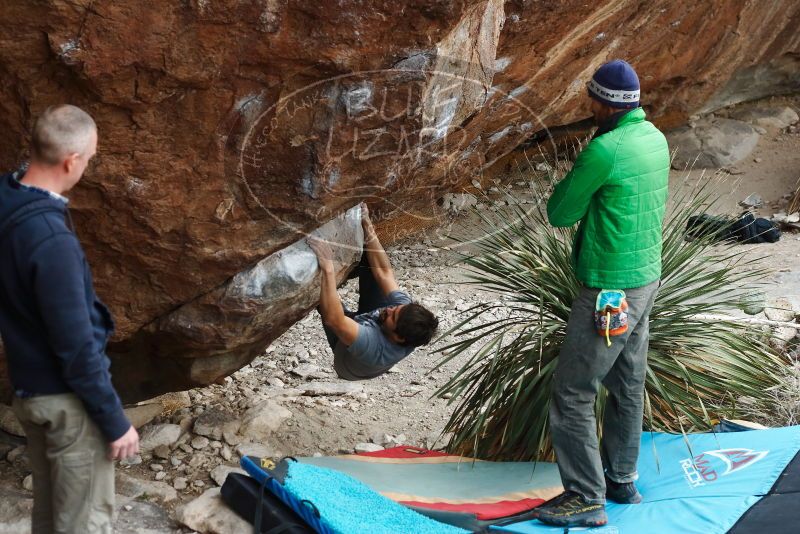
{"points": [[709, 466]]}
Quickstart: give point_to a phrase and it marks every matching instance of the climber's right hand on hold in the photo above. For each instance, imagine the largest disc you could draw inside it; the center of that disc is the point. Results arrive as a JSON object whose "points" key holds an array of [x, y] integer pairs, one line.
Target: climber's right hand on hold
{"points": [[324, 253]]}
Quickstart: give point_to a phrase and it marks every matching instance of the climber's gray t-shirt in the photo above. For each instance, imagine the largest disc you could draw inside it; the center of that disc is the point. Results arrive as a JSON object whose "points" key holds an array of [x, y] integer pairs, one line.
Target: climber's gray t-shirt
{"points": [[371, 354]]}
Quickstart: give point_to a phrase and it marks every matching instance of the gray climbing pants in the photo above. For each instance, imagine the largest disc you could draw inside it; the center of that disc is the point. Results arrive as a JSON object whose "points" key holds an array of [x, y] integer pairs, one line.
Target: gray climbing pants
{"points": [[586, 361]]}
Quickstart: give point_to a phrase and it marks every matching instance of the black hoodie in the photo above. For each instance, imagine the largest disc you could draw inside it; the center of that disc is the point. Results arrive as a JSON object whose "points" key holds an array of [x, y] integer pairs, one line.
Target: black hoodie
{"points": [[54, 328]]}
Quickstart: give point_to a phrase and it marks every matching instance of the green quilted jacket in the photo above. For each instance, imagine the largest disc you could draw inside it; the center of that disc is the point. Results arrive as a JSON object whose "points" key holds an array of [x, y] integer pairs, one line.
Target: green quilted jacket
{"points": [[617, 189]]}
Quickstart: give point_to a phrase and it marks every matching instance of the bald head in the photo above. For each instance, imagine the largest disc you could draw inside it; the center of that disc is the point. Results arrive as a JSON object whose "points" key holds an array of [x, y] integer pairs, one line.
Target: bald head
{"points": [[60, 132], [64, 140]]}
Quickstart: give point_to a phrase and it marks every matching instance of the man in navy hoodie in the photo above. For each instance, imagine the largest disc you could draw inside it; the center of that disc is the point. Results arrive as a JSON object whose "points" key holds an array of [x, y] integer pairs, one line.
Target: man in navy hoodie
{"points": [[55, 329]]}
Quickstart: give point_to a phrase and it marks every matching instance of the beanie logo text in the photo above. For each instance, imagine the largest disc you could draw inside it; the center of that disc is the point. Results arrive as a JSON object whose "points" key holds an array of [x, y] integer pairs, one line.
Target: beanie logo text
{"points": [[613, 95]]}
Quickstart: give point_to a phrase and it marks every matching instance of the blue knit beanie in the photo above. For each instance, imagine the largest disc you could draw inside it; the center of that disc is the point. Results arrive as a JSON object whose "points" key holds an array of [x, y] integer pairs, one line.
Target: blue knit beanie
{"points": [[615, 84]]}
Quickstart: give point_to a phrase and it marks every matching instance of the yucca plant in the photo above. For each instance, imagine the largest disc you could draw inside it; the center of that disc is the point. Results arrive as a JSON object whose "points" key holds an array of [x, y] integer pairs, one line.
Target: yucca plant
{"points": [[698, 369]]}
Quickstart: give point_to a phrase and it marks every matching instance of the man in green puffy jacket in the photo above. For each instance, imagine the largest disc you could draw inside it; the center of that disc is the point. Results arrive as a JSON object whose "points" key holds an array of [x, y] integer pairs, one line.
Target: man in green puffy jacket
{"points": [[616, 191]]}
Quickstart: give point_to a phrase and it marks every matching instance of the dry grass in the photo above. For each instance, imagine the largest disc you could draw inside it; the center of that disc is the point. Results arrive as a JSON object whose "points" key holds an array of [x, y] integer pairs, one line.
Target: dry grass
{"points": [[784, 408]]}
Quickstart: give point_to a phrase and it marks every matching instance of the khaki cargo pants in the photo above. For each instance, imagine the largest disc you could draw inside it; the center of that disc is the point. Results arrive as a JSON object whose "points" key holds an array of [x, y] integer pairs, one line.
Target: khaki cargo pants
{"points": [[73, 479]]}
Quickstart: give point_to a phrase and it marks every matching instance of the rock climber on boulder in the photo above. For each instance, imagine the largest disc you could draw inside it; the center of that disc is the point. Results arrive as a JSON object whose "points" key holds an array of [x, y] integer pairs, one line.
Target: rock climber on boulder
{"points": [[387, 327]]}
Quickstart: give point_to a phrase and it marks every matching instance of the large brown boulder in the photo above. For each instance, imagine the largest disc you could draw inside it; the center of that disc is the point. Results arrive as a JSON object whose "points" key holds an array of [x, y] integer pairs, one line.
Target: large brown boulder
{"points": [[229, 129]]}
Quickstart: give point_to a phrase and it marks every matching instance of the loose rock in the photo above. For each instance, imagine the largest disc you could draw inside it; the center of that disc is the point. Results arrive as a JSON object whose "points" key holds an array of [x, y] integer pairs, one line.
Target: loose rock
{"points": [[754, 302], [15, 510], [332, 388], [215, 422], [780, 217], [712, 143], [5, 448], [141, 415], [15, 454], [305, 370], [154, 435], [162, 451], [752, 200], [781, 337], [779, 309], [399, 439], [779, 117], [136, 459], [275, 382], [133, 488], [368, 447], [199, 442], [457, 202], [208, 513], [256, 449], [231, 438], [380, 438], [221, 472], [9, 421], [144, 518], [260, 421]]}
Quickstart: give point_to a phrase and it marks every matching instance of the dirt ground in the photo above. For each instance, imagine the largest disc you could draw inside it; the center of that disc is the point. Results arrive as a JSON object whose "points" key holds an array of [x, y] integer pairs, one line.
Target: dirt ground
{"points": [[400, 406]]}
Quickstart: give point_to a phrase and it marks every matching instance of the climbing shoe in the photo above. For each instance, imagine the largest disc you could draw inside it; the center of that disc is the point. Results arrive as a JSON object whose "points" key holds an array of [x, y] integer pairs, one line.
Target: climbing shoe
{"points": [[622, 493], [570, 509]]}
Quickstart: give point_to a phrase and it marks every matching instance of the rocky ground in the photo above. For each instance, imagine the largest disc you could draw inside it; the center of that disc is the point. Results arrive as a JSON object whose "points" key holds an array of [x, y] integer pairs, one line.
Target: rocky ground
{"points": [[289, 401]]}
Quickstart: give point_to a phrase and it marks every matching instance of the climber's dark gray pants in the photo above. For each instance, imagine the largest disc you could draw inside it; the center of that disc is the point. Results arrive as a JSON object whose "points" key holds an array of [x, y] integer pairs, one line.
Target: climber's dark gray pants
{"points": [[584, 363]]}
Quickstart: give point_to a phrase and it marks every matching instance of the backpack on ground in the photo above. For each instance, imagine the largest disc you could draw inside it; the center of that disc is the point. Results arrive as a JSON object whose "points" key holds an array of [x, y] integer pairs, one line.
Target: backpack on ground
{"points": [[744, 229]]}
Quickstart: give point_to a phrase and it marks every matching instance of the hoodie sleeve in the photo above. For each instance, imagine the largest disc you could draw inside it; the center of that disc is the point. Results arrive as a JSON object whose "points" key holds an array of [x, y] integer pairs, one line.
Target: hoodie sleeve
{"points": [[59, 284]]}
